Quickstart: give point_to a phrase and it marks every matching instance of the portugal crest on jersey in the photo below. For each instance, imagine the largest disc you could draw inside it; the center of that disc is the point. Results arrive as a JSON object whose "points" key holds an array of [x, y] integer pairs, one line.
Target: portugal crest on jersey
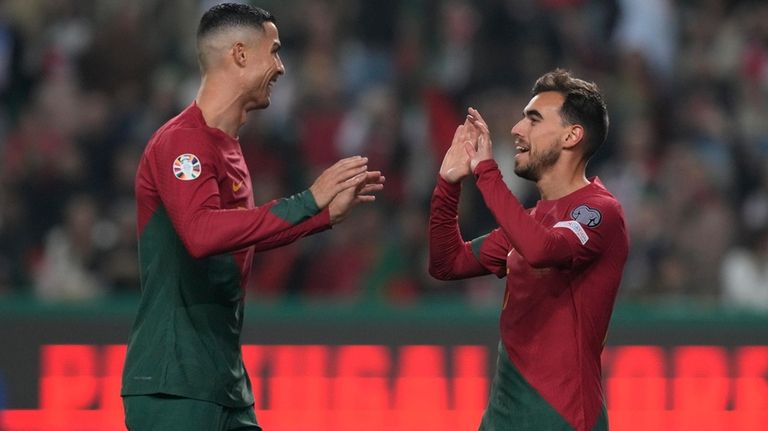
{"points": [[187, 167]]}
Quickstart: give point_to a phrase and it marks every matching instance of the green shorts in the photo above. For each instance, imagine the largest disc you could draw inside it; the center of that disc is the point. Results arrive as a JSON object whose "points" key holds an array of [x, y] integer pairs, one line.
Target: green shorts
{"points": [[171, 413]]}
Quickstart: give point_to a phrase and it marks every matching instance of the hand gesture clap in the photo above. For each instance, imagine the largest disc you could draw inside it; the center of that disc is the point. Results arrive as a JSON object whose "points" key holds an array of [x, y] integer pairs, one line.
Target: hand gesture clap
{"points": [[483, 150], [456, 161], [365, 184], [344, 174]]}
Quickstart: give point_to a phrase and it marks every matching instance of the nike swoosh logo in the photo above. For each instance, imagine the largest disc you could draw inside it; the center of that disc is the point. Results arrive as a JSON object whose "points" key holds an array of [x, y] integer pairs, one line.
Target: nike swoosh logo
{"points": [[236, 186]]}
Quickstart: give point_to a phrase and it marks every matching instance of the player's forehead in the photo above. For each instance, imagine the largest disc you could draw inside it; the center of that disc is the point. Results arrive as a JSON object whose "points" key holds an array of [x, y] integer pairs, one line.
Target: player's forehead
{"points": [[269, 33], [546, 103]]}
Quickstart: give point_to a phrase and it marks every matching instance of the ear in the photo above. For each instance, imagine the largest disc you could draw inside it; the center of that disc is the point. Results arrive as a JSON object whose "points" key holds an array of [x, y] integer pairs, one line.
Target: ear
{"points": [[574, 134], [239, 54]]}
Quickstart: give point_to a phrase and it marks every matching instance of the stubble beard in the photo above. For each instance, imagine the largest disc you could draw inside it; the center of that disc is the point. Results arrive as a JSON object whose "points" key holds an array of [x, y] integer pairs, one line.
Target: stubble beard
{"points": [[537, 164]]}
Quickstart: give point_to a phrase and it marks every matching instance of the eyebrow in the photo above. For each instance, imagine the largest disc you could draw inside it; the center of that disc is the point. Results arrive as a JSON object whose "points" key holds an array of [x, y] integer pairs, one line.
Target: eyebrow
{"points": [[532, 113]]}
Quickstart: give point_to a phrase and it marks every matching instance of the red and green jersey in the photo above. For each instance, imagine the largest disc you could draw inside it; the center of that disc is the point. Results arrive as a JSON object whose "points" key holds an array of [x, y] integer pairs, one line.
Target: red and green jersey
{"points": [[198, 228], [563, 260]]}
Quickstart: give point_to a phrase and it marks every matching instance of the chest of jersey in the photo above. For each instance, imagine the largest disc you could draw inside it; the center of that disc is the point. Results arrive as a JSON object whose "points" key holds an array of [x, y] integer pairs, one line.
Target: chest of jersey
{"points": [[235, 182], [527, 285]]}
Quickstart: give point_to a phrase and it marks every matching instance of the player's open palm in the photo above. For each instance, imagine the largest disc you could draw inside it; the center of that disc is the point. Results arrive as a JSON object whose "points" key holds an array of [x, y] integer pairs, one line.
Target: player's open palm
{"points": [[456, 161], [366, 184], [483, 149], [337, 178]]}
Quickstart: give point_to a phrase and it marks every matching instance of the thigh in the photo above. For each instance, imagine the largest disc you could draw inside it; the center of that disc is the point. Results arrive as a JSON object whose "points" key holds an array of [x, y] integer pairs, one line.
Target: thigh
{"points": [[169, 413]]}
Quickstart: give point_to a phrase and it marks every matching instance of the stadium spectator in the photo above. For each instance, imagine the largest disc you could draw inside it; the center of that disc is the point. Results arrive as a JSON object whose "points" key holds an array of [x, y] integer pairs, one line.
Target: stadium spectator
{"points": [[692, 87]]}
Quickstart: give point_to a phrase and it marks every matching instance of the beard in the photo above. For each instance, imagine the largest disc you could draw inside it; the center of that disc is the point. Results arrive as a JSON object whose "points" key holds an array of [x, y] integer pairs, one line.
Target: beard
{"points": [[537, 163]]}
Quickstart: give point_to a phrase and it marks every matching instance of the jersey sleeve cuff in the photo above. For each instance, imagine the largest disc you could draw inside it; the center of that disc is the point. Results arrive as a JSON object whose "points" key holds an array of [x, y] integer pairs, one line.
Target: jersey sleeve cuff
{"points": [[297, 208], [324, 219], [310, 203], [450, 188], [319, 222], [485, 166]]}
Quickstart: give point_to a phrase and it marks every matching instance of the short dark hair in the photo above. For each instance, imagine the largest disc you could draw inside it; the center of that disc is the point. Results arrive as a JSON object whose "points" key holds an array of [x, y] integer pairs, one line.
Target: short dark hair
{"points": [[228, 15], [583, 105]]}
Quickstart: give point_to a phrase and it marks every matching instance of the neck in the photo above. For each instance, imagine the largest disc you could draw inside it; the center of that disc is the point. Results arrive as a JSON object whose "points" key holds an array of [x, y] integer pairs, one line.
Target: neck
{"points": [[220, 104], [562, 180]]}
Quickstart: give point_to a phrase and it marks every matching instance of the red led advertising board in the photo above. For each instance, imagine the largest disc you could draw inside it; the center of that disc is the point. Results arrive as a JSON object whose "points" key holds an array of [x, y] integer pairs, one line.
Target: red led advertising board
{"points": [[395, 369], [416, 387]]}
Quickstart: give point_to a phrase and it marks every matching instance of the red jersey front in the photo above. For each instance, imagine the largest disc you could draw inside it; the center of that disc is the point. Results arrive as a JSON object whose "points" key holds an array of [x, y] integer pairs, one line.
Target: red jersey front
{"points": [[198, 229], [563, 261]]}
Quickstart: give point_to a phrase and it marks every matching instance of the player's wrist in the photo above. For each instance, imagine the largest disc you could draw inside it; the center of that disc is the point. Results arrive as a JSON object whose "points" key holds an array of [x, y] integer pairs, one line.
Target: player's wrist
{"points": [[484, 166], [308, 198], [451, 176], [335, 216], [444, 184]]}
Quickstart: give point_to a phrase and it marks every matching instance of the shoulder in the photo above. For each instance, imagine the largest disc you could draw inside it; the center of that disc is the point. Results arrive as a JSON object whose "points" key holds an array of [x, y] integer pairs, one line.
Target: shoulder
{"points": [[597, 197], [593, 213], [184, 152], [182, 131], [174, 141], [596, 209]]}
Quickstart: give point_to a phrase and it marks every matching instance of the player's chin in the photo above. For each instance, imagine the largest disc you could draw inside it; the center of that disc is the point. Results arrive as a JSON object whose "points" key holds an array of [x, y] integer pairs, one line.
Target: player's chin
{"points": [[258, 104], [527, 172], [521, 169]]}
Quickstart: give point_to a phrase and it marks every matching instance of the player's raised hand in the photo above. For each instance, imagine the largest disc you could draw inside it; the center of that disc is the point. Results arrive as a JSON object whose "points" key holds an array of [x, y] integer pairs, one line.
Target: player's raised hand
{"points": [[483, 150], [367, 184], [343, 175], [455, 164]]}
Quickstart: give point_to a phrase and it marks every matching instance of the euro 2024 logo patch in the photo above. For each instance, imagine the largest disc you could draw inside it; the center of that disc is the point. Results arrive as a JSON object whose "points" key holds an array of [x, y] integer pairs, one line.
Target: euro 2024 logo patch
{"points": [[587, 216], [187, 167]]}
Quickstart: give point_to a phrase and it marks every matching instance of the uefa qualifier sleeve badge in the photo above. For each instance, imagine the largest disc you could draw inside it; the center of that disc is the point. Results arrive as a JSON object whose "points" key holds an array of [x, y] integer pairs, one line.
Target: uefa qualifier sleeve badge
{"points": [[187, 167]]}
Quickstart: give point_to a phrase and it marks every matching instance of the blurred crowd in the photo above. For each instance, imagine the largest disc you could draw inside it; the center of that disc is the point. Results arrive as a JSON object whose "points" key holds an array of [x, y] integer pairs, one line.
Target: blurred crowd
{"points": [[84, 83]]}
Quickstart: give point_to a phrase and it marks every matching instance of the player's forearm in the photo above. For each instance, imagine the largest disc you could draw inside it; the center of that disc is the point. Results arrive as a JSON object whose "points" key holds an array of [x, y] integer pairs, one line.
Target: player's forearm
{"points": [[317, 223], [207, 232], [450, 257], [541, 246]]}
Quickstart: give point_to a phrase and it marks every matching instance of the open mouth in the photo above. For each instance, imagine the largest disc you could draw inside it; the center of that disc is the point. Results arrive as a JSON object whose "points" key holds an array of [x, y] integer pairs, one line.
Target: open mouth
{"points": [[520, 146]]}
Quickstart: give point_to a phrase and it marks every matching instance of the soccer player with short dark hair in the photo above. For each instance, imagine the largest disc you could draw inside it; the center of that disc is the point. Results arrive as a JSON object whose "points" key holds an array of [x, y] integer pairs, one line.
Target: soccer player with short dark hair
{"points": [[563, 259], [199, 228]]}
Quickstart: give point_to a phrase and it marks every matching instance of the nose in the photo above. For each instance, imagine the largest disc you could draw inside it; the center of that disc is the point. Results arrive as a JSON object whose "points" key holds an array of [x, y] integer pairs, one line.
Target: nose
{"points": [[517, 129], [280, 66]]}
